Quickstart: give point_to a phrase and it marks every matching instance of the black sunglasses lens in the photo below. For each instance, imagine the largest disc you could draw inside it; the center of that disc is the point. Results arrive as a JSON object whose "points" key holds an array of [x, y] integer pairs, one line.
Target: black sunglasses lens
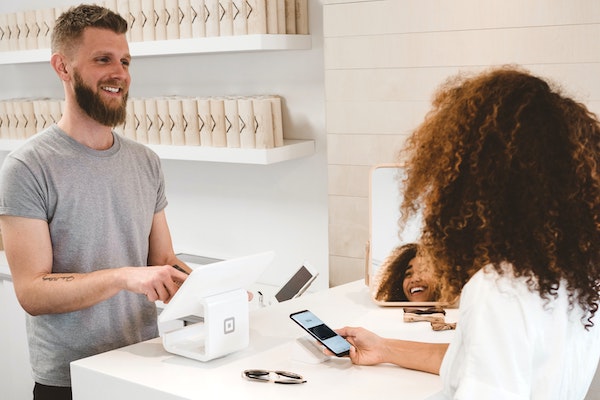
{"points": [[264, 376], [288, 374], [257, 374]]}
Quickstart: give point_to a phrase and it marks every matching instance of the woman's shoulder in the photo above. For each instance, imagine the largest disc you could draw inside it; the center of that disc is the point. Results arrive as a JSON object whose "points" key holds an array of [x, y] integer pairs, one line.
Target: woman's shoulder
{"points": [[491, 286]]}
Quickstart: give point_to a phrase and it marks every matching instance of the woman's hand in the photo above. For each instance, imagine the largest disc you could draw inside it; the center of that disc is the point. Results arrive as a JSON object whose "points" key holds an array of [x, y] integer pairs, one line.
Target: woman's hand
{"points": [[367, 347]]}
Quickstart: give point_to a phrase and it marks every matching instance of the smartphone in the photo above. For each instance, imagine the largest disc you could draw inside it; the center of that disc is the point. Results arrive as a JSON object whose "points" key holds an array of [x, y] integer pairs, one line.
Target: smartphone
{"points": [[324, 334], [297, 284]]}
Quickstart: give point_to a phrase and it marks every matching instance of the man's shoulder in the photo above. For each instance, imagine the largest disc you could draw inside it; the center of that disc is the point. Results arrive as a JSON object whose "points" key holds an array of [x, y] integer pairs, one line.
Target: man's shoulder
{"points": [[36, 143], [134, 145]]}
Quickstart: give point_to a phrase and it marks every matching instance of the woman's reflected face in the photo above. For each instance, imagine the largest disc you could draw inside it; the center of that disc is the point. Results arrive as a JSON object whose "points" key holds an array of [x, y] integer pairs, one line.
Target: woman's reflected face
{"points": [[419, 281]]}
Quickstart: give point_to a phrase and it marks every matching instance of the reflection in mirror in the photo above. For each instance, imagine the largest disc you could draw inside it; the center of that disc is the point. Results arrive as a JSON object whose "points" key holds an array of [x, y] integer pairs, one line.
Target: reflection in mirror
{"points": [[395, 276], [406, 276]]}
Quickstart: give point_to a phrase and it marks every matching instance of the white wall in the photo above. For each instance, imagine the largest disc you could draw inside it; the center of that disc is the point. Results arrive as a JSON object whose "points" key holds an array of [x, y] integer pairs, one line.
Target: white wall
{"points": [[227, 210], [385, 58]]}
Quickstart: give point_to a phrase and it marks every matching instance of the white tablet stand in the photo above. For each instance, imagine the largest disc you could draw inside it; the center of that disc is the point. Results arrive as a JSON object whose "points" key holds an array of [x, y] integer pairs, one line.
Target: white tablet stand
{"points": [[225, 328], [216, 292]]}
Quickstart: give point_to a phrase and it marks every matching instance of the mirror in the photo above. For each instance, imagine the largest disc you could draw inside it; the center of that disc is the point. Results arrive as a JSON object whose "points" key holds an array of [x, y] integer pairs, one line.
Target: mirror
{"points": [[386, 243]]}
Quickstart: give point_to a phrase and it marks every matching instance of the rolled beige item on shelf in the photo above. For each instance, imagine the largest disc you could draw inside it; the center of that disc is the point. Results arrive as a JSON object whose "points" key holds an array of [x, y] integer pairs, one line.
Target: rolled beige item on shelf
{"points": [[136, 27], [5, 117], [272, 14], [263, 117], [148, 20], [232, 122], [191, 127], [11, 121], [205, 121], [198, 11], [18, 118], [302, 17], [40, 109], [12, 24], [185, 19], [164, 128], [45, 20], [4, 134], [225, 18], [176, 121], [246, 118], [277, 120], [21, 30], [281, 17], [256, 14], [29, 118], [239, 16], [212, 17], [50, 16], [55, 110], [139, 117], [152, 121], [290, 17], [129, 126], [33, 29], [217, 112], [160, 20], [171, 16], [4, 46]]}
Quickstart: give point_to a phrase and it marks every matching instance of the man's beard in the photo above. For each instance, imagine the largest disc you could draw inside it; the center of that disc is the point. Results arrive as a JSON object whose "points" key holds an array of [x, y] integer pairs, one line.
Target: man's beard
{"points": [[93, 105]]}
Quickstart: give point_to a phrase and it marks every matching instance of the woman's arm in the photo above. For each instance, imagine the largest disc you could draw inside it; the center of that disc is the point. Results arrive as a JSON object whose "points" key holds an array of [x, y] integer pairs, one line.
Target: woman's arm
{"points": [[370, 349]]}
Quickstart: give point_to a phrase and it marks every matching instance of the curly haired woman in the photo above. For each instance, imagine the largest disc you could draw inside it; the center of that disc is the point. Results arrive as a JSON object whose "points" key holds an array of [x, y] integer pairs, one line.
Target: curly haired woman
{"points": [[507, 172], [406, 276]]}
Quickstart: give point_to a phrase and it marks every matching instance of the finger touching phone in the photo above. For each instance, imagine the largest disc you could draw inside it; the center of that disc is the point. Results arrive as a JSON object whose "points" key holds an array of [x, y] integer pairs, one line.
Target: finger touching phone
{"points": [[324, 334]]}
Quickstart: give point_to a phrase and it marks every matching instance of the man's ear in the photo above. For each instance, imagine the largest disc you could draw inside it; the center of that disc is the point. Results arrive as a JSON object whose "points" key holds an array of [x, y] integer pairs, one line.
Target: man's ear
{"points": [[59, 63]]}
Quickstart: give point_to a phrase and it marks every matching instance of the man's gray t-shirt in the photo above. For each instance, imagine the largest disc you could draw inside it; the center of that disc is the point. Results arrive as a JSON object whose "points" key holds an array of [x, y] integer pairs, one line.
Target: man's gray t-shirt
{"points": [[99, 206]]}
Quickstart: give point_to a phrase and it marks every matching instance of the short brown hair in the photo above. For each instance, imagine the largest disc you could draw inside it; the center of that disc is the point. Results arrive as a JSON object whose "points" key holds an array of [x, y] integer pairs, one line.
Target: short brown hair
{"points": [[70, 25]]}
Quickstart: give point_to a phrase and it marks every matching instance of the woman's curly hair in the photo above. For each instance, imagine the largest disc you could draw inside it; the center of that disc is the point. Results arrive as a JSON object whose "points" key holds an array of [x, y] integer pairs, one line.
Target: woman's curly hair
{"points": [[507, 169]]}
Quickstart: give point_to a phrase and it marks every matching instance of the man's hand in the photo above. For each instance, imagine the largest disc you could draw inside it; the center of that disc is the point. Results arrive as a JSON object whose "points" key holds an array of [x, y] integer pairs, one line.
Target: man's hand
{"points": [[155, 282]]}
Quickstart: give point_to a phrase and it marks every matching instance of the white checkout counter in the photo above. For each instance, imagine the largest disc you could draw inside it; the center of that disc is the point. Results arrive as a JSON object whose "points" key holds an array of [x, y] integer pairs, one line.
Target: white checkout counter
{"points": [[145, 370]]}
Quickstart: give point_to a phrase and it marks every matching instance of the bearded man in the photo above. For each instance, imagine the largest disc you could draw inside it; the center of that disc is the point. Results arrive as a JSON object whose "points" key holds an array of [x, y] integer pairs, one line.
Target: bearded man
{"points": [[82, 212]]}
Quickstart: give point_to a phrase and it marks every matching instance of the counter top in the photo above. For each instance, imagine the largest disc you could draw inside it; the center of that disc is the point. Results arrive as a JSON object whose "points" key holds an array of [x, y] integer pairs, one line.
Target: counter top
{"points": [[146, 369]]}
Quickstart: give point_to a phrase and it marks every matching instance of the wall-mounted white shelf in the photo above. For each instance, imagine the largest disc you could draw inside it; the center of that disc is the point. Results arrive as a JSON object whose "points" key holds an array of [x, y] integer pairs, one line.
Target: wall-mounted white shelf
{"points": [[205, 45], [292, 149]]}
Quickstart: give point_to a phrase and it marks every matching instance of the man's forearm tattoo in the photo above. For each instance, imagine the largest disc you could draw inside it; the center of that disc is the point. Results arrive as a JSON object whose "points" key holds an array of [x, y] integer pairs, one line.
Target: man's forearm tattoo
{"points": [[66, 278]]}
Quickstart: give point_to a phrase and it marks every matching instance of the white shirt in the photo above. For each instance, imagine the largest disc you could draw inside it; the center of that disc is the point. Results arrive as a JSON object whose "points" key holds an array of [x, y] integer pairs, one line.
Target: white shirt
{"points": [[509, 344]]}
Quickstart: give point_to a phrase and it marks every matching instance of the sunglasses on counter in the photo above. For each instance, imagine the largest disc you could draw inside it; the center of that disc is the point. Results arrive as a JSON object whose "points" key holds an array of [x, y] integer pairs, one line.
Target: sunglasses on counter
{"points": [[283, 377]]}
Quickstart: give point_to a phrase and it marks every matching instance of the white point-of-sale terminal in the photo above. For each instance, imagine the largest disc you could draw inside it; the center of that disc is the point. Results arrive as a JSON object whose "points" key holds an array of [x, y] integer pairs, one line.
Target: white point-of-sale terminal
{"points": [[217, 293]]}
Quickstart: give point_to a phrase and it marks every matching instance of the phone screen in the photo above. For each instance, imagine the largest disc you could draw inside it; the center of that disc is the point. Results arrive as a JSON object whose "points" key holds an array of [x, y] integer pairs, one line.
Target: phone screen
{"points": [[324, 334]]}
